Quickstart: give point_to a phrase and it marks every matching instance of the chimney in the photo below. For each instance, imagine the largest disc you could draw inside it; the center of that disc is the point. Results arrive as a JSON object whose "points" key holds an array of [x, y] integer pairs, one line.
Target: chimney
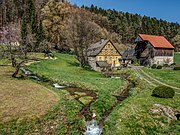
{"points": [[102, 40]]}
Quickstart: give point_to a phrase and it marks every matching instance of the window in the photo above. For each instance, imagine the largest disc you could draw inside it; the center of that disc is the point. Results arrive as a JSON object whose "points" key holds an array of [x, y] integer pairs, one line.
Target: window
{"points": [[116, 58], [106, 58], [109, 45], [106, 50], [112, 50], [100, 58]]}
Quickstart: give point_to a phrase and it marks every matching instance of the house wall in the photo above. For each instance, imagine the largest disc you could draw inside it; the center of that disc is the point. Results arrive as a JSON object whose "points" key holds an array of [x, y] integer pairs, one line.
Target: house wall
{"points": [[163, 56], [109, 54], [161, 60]]}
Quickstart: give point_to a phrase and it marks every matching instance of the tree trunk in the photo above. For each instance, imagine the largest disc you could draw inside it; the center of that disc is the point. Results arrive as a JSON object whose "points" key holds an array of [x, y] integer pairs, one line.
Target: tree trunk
{"points": [[17, 69], [13, 61]]}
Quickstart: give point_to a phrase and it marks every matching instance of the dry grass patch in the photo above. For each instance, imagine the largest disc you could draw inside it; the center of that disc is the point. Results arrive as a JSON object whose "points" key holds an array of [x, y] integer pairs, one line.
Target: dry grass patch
{"points": [[22, 99]]}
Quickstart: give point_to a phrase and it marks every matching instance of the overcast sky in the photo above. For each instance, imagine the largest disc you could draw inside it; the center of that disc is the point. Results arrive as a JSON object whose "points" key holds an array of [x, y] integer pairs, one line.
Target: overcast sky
{"points": [[165, 9]]}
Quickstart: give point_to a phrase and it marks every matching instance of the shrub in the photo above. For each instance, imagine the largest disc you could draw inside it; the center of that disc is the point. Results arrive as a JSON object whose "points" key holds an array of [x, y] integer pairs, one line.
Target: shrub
{"points": [[177, 68], [173, 64], [153, 66], [51, 55], [159, 67], [163, 92], [166, 65]]}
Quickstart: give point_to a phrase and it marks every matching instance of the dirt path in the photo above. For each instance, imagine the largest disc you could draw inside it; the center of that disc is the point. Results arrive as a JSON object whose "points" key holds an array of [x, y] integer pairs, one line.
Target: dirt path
{"points": [[142, 77], [151, 80]]}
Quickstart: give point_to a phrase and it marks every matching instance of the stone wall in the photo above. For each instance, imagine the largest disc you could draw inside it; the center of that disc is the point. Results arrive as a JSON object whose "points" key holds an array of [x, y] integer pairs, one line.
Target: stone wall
{"points": [[161, 60], [92, 63]]}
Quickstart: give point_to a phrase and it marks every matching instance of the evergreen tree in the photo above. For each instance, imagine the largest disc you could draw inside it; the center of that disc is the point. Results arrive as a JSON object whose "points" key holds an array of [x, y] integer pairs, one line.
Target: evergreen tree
{"points": [[130, 25]]}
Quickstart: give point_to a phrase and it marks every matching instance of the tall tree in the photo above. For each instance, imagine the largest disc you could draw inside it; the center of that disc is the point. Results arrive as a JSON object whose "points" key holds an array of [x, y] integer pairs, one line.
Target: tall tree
{"points": [[80, 33], [54, 20]]}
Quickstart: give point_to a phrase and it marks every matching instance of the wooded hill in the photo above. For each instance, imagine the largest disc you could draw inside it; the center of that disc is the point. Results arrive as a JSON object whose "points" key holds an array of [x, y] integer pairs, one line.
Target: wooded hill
{"points": [[68, 26], [130, 25]]}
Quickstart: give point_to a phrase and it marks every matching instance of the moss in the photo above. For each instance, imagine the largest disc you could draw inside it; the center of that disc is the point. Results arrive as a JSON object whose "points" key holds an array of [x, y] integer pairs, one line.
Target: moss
{"points": [[86, 100], [80, 93]]}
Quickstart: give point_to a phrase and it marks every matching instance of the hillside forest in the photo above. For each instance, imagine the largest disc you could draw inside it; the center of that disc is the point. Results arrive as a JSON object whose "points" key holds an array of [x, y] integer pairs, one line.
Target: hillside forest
{"points": [[43, 25]]}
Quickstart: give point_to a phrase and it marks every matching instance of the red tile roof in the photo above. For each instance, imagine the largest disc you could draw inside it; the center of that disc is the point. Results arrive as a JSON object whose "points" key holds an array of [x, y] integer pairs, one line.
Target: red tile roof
{"points": [[157, 41]]}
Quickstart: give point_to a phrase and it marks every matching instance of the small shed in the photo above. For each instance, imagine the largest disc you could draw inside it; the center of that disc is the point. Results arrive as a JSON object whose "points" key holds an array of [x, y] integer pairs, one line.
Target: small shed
{"points": [[128, 56], [103, 65]]}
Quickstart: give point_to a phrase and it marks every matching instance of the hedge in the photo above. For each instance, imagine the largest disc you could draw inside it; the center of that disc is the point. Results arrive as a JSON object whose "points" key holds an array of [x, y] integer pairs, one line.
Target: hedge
{"points": [[153, 66], [177, 68], [163, 92], [159, 67]]}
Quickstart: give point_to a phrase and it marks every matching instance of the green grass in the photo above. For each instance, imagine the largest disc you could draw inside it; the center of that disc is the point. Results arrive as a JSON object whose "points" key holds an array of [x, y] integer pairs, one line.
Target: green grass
{"points": [[65, 69], [177, 57], [64, 118], [133, 115], [27, 107], [165, 75]]}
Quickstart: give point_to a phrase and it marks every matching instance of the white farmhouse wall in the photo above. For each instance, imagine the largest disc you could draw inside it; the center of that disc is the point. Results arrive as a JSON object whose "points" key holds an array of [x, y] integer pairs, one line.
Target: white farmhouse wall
{"points": [[160, 60]]}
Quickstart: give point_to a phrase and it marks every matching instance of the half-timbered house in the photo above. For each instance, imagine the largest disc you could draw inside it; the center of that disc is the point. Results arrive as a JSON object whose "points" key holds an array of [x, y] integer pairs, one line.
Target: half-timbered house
{"points": [[103, 54], [152, 49]]}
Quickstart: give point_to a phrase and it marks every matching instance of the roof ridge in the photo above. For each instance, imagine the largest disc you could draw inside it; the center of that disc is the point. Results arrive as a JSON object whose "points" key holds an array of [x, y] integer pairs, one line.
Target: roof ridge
{"points": [[153, 35]]}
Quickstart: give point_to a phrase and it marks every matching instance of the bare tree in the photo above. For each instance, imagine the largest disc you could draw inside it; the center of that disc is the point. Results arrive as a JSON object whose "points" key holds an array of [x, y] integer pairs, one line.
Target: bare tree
{"points": [[80, 33], [10, 46]]}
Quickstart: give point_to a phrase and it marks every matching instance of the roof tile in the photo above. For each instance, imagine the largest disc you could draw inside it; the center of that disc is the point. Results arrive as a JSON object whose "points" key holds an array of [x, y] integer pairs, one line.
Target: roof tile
{"points": [[157, 41]]}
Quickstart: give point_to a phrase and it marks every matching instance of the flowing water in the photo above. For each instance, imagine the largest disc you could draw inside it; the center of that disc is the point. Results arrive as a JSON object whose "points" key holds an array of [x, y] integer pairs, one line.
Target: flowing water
{"points": [[92, 127]]}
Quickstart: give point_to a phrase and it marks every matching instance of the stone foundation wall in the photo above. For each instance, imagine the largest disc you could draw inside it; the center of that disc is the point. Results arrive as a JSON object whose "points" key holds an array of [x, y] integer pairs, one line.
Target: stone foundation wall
{"points": [[92, 63], [161, 60]]}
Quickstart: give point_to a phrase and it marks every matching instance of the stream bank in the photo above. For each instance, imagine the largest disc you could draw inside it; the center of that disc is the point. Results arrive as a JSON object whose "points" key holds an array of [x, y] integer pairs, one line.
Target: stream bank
{"points": [[87, 97]]}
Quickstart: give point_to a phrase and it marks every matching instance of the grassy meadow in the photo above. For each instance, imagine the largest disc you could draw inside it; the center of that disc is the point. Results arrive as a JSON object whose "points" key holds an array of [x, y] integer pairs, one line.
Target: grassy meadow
{"points": [[132, 116], [64, 118], [168, 76], [177, 57], [22, 100], [65, 70]]}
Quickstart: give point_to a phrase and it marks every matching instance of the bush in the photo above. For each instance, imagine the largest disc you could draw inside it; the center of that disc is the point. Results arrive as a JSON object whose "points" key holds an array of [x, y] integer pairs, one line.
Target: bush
{"points": [[177, 68], [163, 92], [153, 66], [173, 64], [159, 67], [166, 65], [51, 55]]}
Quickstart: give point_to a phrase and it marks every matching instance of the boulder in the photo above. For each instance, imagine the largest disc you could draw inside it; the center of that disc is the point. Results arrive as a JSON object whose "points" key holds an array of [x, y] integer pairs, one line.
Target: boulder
{"points": [[164, 110]]}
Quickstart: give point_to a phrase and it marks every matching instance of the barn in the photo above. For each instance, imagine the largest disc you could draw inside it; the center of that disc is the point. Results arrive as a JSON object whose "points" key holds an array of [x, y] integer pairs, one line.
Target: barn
{"points": [[151, 49]]}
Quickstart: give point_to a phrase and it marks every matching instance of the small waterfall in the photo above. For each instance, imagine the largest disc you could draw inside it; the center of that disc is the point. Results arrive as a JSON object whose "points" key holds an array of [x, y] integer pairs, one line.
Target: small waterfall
{"points": [[93, 128], [29, 74], [56, 85], [26, 72]]}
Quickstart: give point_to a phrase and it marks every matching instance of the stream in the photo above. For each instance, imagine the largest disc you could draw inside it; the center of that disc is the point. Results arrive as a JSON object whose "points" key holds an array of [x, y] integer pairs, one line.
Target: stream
{"points": [[86, 98]]}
